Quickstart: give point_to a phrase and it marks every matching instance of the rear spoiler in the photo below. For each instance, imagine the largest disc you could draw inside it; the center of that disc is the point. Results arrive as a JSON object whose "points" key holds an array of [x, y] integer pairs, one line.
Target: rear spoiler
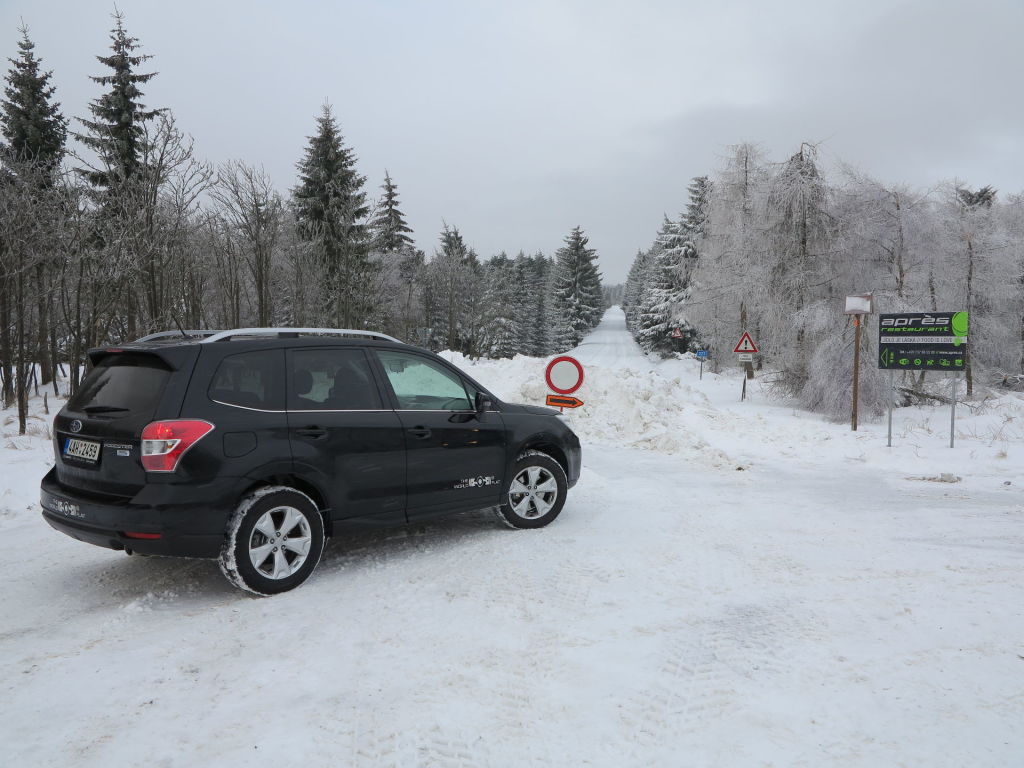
{"points": [[173, 357]]}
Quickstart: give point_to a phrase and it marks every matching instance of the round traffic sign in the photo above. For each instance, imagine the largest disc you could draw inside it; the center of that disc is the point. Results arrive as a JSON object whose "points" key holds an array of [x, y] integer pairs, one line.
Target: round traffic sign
{"points": [[564, 375]]}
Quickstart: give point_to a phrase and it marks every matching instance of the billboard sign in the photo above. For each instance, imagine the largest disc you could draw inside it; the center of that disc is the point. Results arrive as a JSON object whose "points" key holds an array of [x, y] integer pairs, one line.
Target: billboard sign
{"points": [[922, 341]]}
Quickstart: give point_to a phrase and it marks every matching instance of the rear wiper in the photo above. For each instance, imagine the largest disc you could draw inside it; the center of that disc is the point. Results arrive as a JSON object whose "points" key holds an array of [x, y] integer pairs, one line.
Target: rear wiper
{"points": [[103, 409]]}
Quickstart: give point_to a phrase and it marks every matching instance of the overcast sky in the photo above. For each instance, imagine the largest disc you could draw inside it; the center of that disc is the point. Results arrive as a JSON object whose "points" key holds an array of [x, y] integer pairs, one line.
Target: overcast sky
{"points": [[517, 121]]}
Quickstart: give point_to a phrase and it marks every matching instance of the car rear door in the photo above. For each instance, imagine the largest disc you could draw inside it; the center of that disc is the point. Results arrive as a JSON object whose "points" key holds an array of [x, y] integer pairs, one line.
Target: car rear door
{"points": [[455, 457], [344, 438], [97, 434]]}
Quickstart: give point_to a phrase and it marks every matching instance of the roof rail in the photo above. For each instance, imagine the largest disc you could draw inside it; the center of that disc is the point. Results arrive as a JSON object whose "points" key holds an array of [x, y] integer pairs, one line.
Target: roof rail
{"points": [[167, 334], [222, 335]]}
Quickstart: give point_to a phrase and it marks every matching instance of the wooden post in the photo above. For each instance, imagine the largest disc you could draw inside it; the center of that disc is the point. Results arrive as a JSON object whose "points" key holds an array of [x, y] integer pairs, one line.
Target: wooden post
{"points": [[856, 370]]}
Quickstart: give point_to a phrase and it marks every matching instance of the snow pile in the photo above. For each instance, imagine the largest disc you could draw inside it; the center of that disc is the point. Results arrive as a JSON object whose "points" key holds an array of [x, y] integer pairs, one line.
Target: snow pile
{"points": [[622, 406]]}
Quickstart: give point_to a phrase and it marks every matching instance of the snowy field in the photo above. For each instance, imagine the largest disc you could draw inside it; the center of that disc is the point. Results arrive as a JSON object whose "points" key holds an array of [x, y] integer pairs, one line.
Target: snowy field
{"points": [[730, 584]]}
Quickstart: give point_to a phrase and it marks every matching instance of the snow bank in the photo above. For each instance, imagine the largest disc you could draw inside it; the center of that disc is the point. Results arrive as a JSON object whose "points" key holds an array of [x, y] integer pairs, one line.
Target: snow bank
{"points": [[622, 406]]}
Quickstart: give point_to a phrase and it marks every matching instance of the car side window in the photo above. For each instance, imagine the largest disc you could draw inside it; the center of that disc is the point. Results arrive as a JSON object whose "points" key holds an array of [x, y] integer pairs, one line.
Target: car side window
{"points": [[250, 380], [423, 385], [331, 380]]}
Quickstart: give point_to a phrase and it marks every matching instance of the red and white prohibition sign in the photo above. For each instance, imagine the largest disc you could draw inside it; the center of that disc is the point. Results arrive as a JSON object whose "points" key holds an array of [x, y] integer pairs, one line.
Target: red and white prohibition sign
{"points": [[564, 375]]}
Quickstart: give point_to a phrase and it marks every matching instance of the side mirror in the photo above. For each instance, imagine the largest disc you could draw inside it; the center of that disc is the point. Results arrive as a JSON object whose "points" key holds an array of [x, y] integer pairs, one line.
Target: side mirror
{"points": [[483, 402]]}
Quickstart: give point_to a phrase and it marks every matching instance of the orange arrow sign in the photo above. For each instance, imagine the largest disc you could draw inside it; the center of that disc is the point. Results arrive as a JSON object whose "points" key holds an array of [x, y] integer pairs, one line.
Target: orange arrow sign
{"points": [[563, 401]]}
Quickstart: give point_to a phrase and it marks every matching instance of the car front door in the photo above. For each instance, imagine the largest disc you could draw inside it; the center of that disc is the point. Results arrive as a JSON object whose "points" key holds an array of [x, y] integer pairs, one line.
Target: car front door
{"points": [[344, 437], [455, 457]]}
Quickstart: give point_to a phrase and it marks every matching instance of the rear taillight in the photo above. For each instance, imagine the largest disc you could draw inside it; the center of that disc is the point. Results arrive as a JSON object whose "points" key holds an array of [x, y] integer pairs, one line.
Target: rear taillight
{"points": [[165, 442]]}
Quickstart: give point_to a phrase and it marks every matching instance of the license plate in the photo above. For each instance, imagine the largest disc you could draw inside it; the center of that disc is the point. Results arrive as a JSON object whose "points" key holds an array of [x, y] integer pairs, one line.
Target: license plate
{"points": [[86, 450]]}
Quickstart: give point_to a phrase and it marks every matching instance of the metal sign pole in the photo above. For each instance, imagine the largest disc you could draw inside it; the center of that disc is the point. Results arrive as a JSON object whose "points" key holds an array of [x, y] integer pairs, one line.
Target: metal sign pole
{"points": [[952, 412], [892, 394], [699, 378], [856, 371]]}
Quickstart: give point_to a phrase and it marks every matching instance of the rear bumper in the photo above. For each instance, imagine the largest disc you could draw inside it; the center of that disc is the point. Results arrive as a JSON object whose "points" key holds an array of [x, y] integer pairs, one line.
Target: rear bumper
{"points": [[194, 525]]}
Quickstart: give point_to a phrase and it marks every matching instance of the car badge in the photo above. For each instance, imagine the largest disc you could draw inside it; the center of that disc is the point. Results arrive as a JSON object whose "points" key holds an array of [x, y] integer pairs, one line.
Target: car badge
{"points": [[75, 426]]}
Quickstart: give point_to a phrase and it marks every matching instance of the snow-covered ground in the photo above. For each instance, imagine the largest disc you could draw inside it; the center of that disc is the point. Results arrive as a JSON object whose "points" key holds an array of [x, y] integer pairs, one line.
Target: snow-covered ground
{"points": [[730, 584]]}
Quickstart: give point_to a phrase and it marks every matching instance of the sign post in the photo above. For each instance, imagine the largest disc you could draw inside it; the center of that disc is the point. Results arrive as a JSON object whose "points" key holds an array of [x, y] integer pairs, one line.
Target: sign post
{"points": [[892, 395], [564, 374], [858, 306], [746, 349], [925, 341], [702, 355]]}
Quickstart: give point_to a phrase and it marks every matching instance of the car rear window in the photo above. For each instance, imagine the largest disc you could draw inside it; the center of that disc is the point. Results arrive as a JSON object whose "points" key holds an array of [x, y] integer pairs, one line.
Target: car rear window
{"points": [[122, 383], [250, 380]]}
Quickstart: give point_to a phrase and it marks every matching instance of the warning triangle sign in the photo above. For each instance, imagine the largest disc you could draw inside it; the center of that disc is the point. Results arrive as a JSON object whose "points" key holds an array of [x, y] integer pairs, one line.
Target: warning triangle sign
{"points": [[746, 344]]}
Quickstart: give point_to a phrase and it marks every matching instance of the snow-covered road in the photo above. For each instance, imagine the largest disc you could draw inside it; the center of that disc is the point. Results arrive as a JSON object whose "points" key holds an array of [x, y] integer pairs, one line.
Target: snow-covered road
{"points": [[729, 585], [611, 346]]}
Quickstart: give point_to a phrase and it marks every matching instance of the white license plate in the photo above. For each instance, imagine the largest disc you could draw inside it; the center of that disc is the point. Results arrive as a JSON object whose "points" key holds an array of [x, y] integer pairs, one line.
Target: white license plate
{"points": [[82, 449]]}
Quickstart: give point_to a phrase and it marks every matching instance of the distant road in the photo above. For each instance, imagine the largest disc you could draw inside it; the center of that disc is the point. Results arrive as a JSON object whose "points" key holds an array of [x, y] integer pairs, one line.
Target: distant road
{"points": [[610, 344]]}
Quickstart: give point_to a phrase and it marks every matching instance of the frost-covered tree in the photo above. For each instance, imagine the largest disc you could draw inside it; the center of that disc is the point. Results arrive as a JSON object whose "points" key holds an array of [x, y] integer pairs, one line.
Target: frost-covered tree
{"points": [[729, 277], [453, 295], [974, 243], [695, 218], [658, 287], [503, 308], [537, 272], [797, 278], [125, 175], [389, 230], [576, 291], [330, 207], [34, 132], [633, 291], [252, 214], [396, 295]]}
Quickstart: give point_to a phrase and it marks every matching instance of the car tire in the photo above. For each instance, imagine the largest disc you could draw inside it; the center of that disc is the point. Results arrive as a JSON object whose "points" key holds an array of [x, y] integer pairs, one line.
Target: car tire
{"points": [[274, 541], [535, 492]]}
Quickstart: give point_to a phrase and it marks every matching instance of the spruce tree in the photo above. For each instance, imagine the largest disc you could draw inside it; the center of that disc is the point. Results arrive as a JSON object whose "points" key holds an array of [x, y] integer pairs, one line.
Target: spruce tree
{"points": [[32, 124], [502, 330], [390, 231], [659, 307], [576, 291], [34, 131], [694, 220], [116, 132], [330, 208], [538, 332], [633, 293], [454, 296]]}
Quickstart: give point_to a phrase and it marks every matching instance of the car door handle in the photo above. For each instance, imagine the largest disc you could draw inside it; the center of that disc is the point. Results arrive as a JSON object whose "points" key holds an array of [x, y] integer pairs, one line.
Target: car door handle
{"points": [[420, 433], [315, 433]]}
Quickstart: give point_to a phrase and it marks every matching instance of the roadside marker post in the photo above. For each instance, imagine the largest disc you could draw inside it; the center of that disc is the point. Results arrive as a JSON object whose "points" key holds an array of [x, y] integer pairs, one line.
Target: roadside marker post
{"points": [[858, 306], [702, 355], [892, 394], [746, 349]]}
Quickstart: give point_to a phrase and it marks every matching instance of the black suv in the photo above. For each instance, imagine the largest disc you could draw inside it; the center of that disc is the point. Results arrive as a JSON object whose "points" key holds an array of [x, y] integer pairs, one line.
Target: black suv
{"points": [[253, 445]]}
